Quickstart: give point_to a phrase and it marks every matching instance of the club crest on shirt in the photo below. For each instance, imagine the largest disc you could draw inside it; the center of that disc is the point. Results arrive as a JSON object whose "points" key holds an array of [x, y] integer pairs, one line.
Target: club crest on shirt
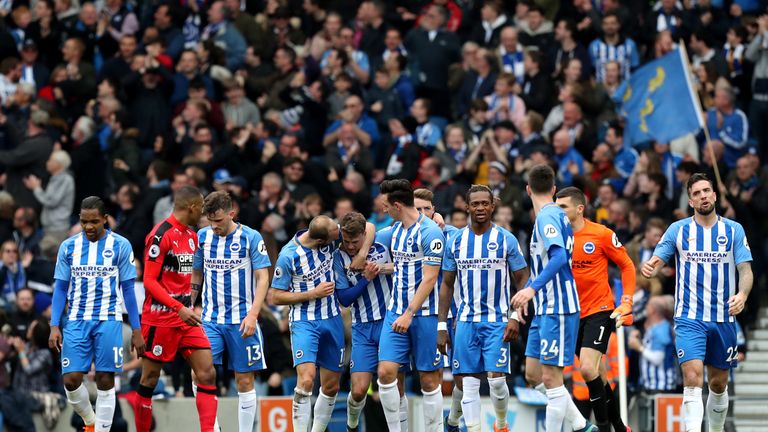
{"points": [[325, 249], [492, 246], [108, 253], [234, 247], [589, 247], [722, 240]]}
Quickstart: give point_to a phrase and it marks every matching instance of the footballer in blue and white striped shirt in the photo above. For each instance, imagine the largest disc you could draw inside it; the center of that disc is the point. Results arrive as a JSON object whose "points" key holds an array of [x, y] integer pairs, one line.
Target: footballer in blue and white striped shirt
{"points": [[304, 280], [410, 325], [232, 264], [89, 268], [708, 250], [552, 336], [482, 255]]}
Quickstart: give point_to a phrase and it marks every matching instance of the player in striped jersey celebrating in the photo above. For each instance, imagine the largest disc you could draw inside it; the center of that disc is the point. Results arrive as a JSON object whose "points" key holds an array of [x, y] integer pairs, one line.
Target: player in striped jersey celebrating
{"points": [[709, 250], [304, 280], [90, 267], [483, 255], [232, 265], [366, 294], [410, 325], [552, 336]]}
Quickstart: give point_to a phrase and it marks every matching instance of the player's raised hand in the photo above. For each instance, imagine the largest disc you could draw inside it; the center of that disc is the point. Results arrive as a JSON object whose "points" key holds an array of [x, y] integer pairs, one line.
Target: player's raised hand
{"points": [[512, 331], [137, 342], [736, 304], [650, 267], [54, 340], [521, 299], [442, 341], [248, 325], [189, 316], [324, 289]]}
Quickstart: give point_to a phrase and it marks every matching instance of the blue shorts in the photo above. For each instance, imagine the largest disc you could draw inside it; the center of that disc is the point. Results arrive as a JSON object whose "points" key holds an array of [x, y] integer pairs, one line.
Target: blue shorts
{"points": [[86, 342], [419, 342], [244, 355], [480, 347], [552, 339], [320, 342], [365, 346], [450, 322], [714, 343]]}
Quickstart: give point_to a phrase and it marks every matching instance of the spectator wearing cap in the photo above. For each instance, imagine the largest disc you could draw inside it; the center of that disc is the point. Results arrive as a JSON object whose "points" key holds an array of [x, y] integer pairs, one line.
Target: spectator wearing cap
{"points": [[728, 124], [492, 20], [29, 156], [57, 199], [431, 50], [33, 71], [225, 35], [569, 161]]}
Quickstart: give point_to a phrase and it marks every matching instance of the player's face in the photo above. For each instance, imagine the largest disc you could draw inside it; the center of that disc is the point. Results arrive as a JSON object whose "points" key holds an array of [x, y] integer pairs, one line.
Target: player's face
{"points": [[571, 210], [196, 211], [220, 221], [352, 245], [93, 224], [481, 206], [391, 209], [424, 207], [702, 197]]}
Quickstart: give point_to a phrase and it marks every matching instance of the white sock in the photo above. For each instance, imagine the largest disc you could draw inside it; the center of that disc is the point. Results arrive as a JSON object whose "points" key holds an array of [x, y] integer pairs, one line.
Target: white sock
{"points": [[105, 409], [390, 401], [354, 408], [573, 415], [455, 414], [81, 403], [470, 403], [404, 413], [216, 427], [246, 412], [433, 410], [500, 399], [717, 409], [302, 410], [541, 388], [324, 406], [693, 409], [557, 405]]}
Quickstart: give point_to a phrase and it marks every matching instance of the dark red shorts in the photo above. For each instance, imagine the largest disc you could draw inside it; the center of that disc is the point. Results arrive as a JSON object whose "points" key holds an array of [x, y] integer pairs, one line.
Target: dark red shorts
{"points": [[164, 342]]}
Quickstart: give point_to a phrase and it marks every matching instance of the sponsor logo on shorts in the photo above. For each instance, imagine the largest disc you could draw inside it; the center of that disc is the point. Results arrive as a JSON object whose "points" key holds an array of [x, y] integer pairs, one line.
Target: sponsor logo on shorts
{"points": [[351, 363], [680, 353], [108, 253], [299, 354], [549, 358], [157, 350], [64, 362], [589, 247]]}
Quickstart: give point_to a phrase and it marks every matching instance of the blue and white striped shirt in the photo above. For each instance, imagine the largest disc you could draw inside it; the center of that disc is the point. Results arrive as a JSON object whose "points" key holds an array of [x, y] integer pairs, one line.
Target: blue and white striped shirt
{"points": [[483, 263], [706, 261], [94, 271], [559, 296], [301, 269], [625, 53], [662, 373], [228, 264], [372, 303], [449, 231], [412, 248]]}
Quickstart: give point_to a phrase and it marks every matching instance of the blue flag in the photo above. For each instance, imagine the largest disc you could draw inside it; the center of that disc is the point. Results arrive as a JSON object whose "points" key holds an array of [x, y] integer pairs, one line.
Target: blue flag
{"points": [[658, 102]]}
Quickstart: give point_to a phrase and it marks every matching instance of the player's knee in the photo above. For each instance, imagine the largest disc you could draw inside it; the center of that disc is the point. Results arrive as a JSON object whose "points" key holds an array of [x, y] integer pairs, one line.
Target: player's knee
{"points": [[717, 384], [307, 381], [244, 382], [72, 381], [430, 381], [331, 388], [105, 380], [692, 377], [386, 375], [206, 376], [589, 372], [533, 379], [359, 391]]}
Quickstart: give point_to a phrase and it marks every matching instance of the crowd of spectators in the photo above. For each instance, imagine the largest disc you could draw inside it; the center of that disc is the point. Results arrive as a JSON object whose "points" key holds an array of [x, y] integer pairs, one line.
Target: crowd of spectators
{"points": [[301, 108]]}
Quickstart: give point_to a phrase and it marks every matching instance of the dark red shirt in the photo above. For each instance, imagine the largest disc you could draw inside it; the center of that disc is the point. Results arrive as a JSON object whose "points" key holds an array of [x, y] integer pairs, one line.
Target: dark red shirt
{"points": [[169, 253]]}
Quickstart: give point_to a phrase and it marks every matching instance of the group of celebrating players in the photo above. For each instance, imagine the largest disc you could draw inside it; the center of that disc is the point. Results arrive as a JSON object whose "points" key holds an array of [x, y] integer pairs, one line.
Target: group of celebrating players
{"points": [[416, 291]]}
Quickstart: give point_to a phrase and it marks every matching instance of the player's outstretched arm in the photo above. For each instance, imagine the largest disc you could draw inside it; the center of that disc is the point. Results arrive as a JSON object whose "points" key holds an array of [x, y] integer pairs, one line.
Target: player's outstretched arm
{"points": [[652, 266], [57, 309], [446, 297], [746, 278]]}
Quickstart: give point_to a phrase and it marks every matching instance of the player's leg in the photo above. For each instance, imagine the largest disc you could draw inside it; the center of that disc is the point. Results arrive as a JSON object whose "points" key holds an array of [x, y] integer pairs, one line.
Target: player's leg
{"points": [[246, 358], [76, 358], [452, 420], [467, 363], [722, 353], [496, 362], [612, 402], [403, 400], [394, 350], [216, 427], [108, 344], [150, 373], [330, 359], [365, 347], [360, 382], [594, 333], [429, 363], [691, 344], [532, 361], [201, 362], [304, 345]]}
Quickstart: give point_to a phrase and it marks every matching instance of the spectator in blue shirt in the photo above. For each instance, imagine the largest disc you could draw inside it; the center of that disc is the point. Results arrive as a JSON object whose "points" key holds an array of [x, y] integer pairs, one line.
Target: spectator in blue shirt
{"points": [[570, 163], [728, 124], [658, 360], [365, 127]]}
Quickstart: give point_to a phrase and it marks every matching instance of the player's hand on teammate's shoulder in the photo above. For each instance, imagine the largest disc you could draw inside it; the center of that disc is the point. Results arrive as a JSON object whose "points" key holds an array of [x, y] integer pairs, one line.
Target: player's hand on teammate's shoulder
{"points": [[54, 340], [189, 316], [137, 342], [324, 289], [736, 304]]}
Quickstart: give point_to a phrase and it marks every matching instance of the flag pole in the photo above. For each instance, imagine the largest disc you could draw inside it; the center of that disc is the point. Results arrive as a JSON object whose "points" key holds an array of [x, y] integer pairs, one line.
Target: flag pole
{"points": [[700, 110]]}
